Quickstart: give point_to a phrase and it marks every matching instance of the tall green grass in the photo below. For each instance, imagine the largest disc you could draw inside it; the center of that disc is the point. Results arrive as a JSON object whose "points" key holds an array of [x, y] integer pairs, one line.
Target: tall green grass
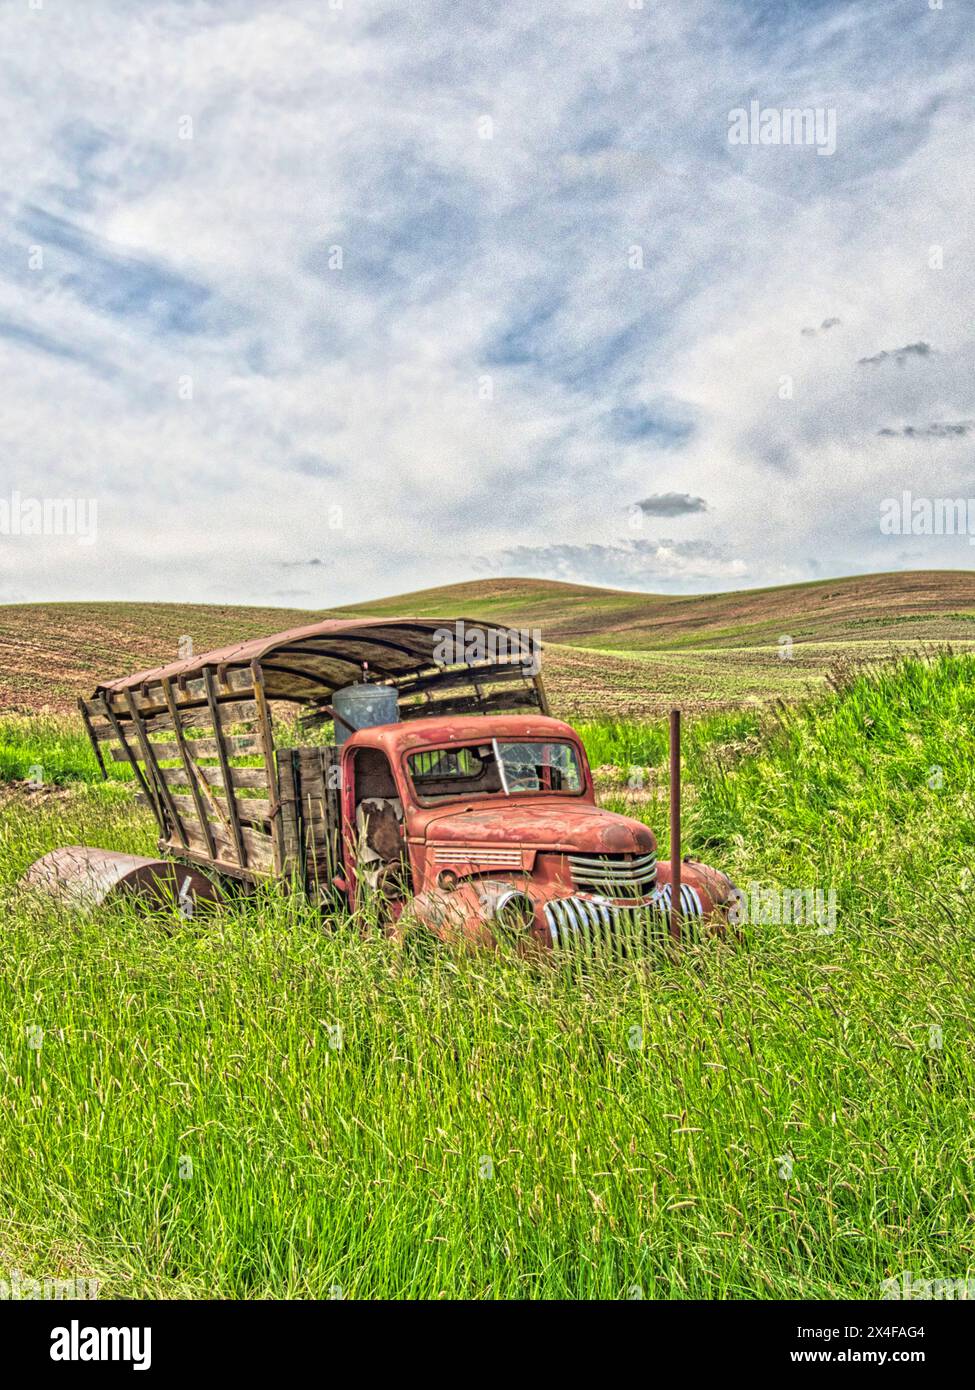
{"points": [[54, 750], [645, 743], [51, 749], [260, 1106]]}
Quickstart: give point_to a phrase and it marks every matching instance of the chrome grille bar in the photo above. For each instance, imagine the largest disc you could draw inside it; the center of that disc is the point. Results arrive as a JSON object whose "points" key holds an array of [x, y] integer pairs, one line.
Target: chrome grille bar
{"points": [[589, 926], [606, 870]]}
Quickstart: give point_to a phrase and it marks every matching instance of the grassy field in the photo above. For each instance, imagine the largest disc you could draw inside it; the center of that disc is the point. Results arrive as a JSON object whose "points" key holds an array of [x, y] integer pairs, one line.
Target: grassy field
{"points": [[605, 651], [261, 1107]]}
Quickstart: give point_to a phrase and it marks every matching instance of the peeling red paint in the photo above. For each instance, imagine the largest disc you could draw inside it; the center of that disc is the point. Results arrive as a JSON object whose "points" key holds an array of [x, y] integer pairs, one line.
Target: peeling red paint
{"points": [[455, 850]]}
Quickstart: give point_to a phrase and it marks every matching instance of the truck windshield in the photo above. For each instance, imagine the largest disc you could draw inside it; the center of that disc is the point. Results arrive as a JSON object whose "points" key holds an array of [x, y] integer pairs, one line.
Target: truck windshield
{"points": [[496, 768]]}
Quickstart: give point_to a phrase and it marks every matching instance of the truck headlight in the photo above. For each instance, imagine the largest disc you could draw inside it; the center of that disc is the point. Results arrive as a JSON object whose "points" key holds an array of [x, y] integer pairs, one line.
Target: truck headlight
{"points": [[514, 912]]}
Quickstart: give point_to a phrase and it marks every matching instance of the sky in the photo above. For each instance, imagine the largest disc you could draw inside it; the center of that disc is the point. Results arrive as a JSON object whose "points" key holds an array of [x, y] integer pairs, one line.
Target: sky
{"points": [[306, 302]]}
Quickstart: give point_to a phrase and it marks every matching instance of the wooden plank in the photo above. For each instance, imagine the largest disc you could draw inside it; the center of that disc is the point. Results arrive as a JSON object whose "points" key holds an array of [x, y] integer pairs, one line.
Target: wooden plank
{"points": [[260, 854], [152, 770], [286, 775], [213, 805], [312, 772], [266, 735], [468, 675], [92, 736], [331, 767], [188, 769], [225, 764], [129, 757], [191, 692], [311, 785], [208, 861], [259, 849], [289, 812], [237, 712], [471, 705], [246, 777], [319, 820], [103, 732], [255, 837], [237, 746], [541, 695], [254, 811], [163, 723]]}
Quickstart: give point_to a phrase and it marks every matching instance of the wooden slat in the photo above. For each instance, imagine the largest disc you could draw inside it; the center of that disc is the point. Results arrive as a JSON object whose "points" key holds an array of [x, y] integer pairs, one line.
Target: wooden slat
{"points": [[188, 769], [152, 770], [469, 705], [254, 811], [266, 735], [468, 675], [197, 855], [237, 712], [247, 777], [318, 820], [541, 695], [332, 761], [312, 773], [194, 692], [237, 746], [259, 851], [225, 764], [215, 808], [124, 754], [92, 736], [289, 812]]}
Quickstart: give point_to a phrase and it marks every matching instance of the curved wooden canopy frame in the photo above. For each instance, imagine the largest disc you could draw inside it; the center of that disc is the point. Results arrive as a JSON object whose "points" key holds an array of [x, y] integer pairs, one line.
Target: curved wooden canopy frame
{"points": [[308, 664]]}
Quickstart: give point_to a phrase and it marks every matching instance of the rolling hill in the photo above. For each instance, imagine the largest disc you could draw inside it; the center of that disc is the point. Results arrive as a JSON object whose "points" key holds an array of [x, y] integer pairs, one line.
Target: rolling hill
{"points": [[606, 650]]}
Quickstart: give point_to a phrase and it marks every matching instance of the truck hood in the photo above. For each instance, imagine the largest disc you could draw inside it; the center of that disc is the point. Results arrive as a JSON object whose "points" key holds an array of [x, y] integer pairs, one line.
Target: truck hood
{"points": [[578, 827]]}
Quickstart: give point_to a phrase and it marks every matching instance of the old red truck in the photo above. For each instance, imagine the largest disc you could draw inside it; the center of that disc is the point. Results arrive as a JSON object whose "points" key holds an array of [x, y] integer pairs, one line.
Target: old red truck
{"points": [[449, 796]]}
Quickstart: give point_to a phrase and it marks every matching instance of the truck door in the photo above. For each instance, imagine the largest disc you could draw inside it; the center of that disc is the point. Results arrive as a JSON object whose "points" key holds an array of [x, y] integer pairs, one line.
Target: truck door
{"points": [[377, 834]]}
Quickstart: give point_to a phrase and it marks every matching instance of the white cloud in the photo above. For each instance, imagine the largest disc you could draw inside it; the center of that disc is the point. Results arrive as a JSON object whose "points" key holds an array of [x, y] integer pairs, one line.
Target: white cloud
{"points": [[472, 382]]}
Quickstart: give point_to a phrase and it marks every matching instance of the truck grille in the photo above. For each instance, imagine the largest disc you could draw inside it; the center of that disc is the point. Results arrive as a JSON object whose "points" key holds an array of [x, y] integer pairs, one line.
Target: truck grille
{"points": [[595, 927], [614, 875]]}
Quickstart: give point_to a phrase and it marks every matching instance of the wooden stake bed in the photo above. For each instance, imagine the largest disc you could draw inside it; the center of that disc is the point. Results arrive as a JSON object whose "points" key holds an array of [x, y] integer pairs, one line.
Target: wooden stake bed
{"points": [[199, 734], [206, 771]]}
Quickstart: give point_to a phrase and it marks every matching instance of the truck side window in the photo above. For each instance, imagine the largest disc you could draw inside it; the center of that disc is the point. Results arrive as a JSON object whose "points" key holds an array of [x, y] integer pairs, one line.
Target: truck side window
{"points": [[373, 775]]}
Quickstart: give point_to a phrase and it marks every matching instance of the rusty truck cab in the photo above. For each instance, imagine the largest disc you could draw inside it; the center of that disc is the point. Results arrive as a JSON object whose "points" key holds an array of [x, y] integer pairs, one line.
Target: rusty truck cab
{"points": [[442, 805], [488, 826]]}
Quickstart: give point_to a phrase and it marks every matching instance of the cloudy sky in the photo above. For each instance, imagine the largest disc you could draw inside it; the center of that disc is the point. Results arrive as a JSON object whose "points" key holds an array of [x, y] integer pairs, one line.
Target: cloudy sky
{"points": [[319, 300]]}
